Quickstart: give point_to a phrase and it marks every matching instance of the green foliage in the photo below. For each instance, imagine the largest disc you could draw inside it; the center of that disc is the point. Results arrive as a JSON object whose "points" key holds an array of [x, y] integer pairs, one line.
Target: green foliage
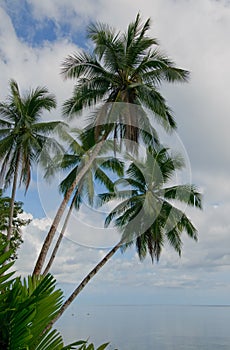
{"points": [[22, 136], [147, 214], [17, 224], [100, 172], [125, 70], [85, 346], [26, 309]]}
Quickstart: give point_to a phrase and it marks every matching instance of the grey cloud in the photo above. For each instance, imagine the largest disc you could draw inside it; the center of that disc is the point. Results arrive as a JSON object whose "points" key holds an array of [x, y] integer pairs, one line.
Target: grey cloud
{"points": [[196, 35]]}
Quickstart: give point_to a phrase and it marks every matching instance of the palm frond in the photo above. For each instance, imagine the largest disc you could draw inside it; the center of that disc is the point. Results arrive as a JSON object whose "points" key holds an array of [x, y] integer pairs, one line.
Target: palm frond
{"points": [[108, 45], [68, 181], [174, 240], [83, 97], [136, 172], [155, 102], [123, 206], [81, 64], [104, 179], [113, 164], [184, 193], [38, 100]]}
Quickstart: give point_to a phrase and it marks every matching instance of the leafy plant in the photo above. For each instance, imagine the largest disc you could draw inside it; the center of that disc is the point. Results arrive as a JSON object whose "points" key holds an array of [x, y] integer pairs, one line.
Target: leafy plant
{"points": [[27, 306], [90, 346], [17, 224]]}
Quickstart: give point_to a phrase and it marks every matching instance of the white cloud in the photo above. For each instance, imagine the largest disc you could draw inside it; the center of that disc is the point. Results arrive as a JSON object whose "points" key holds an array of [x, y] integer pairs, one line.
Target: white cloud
{"points": [[203, 265], [72, 12], [32, 66], [196, 35]]}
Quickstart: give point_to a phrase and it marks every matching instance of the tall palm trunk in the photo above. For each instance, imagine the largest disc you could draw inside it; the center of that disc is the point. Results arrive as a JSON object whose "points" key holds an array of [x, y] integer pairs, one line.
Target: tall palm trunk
{"points": [[49, 238], [12, 200], [54, 252], [86, 280]]}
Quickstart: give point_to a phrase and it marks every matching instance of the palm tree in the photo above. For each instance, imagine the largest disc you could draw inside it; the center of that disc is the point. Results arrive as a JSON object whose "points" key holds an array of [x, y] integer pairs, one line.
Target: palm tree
{"points": [[96, 174], [23, 137], [124, 73], [147, 215]]}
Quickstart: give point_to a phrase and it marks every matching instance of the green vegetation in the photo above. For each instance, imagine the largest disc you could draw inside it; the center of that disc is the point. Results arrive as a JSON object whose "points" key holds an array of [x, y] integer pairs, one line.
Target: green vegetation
{"points": [[120, 82], [125, 69], [26, 309], [145, 216], [74, 160], [17, 224], [23, 137]]}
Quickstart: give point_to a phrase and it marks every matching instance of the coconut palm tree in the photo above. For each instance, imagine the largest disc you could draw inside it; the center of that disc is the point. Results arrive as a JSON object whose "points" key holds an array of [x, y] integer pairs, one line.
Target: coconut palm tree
{"points": [[23, 137], [78, 157], [147, 214], [124, 73]]}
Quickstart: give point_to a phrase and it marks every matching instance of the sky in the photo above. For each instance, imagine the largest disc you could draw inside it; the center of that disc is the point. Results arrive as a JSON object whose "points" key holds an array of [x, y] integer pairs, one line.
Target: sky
{"points": [[35, 37]]}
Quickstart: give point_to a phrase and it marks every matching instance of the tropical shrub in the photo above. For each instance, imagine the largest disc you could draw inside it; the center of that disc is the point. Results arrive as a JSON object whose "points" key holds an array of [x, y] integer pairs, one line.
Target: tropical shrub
{"points": [[17, 223], [27, 306]]}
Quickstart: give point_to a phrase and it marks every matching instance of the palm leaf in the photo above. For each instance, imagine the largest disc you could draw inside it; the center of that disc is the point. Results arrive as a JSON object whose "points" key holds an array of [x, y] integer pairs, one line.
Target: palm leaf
{"points": [[184, 193]]}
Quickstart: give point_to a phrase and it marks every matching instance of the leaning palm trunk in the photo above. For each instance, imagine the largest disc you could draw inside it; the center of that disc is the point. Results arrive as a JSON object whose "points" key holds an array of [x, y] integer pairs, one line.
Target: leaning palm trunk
{"points": [[54, 252], [49, 238], [12, 200], [87, 279]]}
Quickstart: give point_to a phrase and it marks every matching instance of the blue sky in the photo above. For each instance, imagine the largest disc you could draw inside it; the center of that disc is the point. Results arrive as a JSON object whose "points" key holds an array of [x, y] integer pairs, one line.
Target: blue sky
{"points": [[36, 30], [35, 37], [28, 27]]}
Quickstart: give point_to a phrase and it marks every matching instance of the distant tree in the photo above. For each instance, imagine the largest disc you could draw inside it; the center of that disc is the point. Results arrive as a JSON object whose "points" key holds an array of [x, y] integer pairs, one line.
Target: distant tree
{"points": [[17, 224]]}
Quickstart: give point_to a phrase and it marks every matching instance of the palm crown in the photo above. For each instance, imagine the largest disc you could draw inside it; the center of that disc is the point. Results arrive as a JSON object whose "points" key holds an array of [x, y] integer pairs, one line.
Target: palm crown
{"points": [[22, 135], [146, 214], [98, 172], [123, 67]]}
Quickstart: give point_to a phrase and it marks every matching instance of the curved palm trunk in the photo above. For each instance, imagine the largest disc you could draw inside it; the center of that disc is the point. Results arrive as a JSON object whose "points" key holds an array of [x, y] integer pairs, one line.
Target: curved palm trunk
{"points": [[53, 255], [49, 238], [86, 280], [12, 200]]}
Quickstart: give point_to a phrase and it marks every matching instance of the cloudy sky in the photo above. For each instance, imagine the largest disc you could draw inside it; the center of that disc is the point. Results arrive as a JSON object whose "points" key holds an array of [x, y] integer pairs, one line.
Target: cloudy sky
{"points": [[35, 37]]}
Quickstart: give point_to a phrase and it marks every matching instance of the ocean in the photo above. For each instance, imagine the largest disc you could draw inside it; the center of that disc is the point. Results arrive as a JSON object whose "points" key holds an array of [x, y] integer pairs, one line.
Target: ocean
{"points": [[149, 327]]}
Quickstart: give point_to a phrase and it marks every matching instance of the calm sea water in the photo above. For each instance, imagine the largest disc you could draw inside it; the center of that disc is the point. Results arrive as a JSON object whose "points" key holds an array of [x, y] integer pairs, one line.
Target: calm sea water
{"points": [[150, 327]]}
